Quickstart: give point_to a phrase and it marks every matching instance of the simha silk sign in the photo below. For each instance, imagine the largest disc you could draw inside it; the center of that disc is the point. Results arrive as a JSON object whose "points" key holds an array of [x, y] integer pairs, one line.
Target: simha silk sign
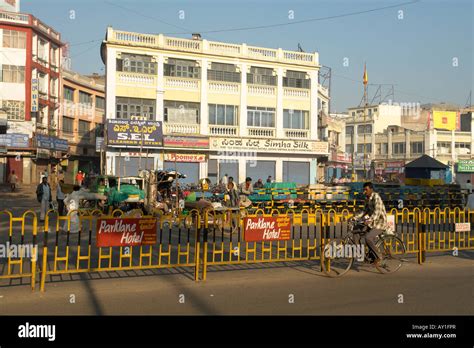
{"points": [[126, 232], [265, 229]]}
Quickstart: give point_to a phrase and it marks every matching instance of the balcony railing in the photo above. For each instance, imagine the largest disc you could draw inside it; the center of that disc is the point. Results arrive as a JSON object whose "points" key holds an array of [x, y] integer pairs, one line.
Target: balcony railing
{"points": [[261, 132], [177, 128], [296, 133], [261, 90], [222, 130], [14, 17], [224, 87], [295, 92], [182, 83], [136, 79], [211, 47]]}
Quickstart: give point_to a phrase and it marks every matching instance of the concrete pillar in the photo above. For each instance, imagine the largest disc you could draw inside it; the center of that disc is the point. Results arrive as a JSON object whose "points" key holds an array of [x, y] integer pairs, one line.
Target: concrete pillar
{"points": [[279, 170], [243, 101], [313, 171], [279, 111], [160, 89], [313, 113], [408, 143], [203, 170], [389, 144], [204, 112], [242, 169]]}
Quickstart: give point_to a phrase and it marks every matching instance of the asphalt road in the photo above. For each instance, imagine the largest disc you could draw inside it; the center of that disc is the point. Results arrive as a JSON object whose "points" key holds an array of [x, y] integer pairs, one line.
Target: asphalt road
{"points": [[442, 286]]}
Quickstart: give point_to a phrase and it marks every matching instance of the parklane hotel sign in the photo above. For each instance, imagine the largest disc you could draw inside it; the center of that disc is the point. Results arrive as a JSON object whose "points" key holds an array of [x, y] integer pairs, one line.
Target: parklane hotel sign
{"points": [[269, 145]]}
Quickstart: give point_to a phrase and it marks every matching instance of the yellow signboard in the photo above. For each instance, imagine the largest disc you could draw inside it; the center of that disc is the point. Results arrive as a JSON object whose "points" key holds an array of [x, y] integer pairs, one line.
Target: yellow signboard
{"points": [[445, 120]]}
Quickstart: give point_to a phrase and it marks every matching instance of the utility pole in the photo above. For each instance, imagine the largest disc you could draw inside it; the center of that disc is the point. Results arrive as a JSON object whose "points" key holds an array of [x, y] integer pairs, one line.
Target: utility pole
{"points": [[366, 80]]}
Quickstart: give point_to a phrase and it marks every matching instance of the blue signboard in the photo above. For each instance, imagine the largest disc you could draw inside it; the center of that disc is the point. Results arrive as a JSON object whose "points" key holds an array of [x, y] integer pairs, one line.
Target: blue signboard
{"points": [[51, 143], [14, 140]]}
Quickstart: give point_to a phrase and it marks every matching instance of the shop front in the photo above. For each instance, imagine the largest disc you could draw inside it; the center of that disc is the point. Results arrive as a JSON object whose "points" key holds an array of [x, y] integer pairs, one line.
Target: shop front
{"points": [[394, 171], [465, 172]]}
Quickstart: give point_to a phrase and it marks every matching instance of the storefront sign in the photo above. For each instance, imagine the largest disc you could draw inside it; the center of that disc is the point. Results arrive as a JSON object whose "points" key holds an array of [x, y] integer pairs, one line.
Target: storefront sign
{"points": [[186, 142], [14, 140], [51, 143], [34, 94], [99, 144], [43, 153], [394, 167], [463, 227], [126, 232], [466, 166], [270, 145], [148, 134], [267, 228], [345, 157], [179, 157], [445, 120]]}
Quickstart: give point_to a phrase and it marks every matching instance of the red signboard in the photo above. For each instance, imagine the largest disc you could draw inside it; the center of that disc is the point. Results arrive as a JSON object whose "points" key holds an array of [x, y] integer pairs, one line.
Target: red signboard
{"points": [[126, 232], [186, 142], [267, 229]]}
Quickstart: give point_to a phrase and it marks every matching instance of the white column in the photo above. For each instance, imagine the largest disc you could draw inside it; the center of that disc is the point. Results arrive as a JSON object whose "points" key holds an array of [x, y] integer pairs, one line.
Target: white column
{"points": [[160, 88], [110, 85], [203, 170], [204, 112], [313, 113], [279, 111], [242, 169], [453, 146], [472, 134], [243, 101], [408, 143], [279, 170]]}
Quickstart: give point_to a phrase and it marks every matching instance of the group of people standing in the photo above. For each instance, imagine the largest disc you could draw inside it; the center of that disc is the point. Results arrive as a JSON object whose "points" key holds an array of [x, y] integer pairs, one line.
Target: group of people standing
{"points": [[238, 195]]}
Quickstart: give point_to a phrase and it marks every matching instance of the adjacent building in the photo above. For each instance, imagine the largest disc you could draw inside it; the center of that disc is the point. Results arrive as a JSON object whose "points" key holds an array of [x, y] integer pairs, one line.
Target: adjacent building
{"points": [[29, 96], [223, 108], [81, 121]]}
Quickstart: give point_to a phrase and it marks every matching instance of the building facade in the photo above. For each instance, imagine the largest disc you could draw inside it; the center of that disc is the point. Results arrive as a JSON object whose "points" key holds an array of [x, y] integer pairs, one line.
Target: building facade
{"points": [[30, 94], [81, 122], [225, 108]]}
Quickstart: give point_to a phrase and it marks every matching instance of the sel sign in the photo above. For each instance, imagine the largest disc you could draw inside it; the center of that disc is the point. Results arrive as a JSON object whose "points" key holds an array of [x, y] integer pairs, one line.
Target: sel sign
{"points": [[147, 134], [267, 229], [126, 232]]}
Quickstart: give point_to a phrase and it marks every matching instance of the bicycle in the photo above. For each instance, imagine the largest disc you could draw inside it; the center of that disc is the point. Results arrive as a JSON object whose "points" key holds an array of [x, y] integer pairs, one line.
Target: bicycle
{"points": [[338, 257]]}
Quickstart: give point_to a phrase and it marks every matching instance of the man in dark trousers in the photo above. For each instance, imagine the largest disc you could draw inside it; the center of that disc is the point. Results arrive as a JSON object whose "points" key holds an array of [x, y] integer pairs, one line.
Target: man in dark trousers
{"points": [[43, 194]]}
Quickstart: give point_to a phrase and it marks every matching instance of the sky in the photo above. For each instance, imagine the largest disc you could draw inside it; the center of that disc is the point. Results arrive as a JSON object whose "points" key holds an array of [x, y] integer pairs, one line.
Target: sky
{"points": [[424, 48]]}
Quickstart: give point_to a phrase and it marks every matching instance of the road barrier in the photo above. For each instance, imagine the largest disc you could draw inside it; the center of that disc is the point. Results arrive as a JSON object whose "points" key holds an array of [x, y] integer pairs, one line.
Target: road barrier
{"points": [[199, 240]]}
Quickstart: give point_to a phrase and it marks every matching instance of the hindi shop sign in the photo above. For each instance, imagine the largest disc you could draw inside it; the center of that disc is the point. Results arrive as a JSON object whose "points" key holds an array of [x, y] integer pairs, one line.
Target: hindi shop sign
{"points": [[148, 134], [270, 145], [126, 232], [188, 158], [267, 229]]}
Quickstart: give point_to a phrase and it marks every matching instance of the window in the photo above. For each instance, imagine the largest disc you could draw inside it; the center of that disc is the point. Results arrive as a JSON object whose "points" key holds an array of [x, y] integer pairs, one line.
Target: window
{"points": [[43, 50], [84, 128], [444, 147], [381, 148], [417, 147], [15, 109], [182, 68], [349, 148], [261, 76], [181, 112], [398, 148], [85, 98], [349, 129], [223, 72], [14, 39], [68, 93], [353, 113], [260, 117], [360, 148], [128, 107], [136, 63], [42, 83], [364, 129], [295, 79], [54, 56], [13, 73], [68, 125], [223, 114], [463, 148], [295, 119], [99, 103]]}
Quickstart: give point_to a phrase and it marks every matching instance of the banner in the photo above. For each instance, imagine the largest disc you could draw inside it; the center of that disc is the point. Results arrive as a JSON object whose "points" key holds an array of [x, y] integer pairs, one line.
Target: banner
{"points": [[186, 142], [445, 120], [14, 140], [267, 228], [148, 134], [179, 157], [126, 232], [34, 94], [51, 143], [270, 145], [466, 166]]}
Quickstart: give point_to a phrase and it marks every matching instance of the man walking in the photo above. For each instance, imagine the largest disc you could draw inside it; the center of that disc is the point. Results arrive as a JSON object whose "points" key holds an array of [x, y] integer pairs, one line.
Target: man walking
{"points": [[43, 194], [13, 180], [60, 198]]}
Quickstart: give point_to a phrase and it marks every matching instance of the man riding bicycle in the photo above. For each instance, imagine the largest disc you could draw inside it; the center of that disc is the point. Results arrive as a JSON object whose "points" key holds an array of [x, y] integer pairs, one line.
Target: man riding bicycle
{"points": [[374, 210]]}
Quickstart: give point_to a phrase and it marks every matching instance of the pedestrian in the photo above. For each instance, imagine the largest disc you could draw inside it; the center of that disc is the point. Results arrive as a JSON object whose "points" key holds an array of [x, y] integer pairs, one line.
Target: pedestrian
{"points": [[269, 179], [470, 201], [245, 190], [232, 197], [231, 179], [258, 184], [79, 178], [13, 180], [224, 180], [60, 198], [43, 195]]}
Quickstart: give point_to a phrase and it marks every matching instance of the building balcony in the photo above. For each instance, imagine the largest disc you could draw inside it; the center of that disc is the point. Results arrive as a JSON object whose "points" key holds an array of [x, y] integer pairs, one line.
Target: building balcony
{"points": [[261, 132], [223, 130], [299, 93], [211, 48], [181, 83], [224, 87], [136, 79], [261, 91], [176, 128], [296, 133]]}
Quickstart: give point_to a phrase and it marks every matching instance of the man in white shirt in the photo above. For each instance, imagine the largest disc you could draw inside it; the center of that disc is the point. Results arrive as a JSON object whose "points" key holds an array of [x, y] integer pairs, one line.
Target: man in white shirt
{"points": [[470, 201], [43, 194], [60, 198]]}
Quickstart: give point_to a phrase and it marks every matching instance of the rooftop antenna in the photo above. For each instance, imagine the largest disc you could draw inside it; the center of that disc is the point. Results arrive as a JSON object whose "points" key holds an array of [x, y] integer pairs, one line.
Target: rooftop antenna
{"points": [[300, 49]]}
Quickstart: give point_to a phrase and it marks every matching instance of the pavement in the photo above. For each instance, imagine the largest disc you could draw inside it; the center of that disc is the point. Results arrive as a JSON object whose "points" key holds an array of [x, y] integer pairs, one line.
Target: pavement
{"points": [[441, 286]]}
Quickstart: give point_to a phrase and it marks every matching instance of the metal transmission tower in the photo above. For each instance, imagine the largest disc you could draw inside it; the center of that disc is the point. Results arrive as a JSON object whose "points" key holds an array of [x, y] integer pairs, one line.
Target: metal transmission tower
{"points": [[383, 93], [325, 81]]}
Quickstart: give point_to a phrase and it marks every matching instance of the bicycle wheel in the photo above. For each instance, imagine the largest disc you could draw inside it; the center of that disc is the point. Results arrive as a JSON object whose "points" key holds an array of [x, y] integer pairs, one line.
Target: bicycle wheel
{"points": [[334, 259], [393, 251]]}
